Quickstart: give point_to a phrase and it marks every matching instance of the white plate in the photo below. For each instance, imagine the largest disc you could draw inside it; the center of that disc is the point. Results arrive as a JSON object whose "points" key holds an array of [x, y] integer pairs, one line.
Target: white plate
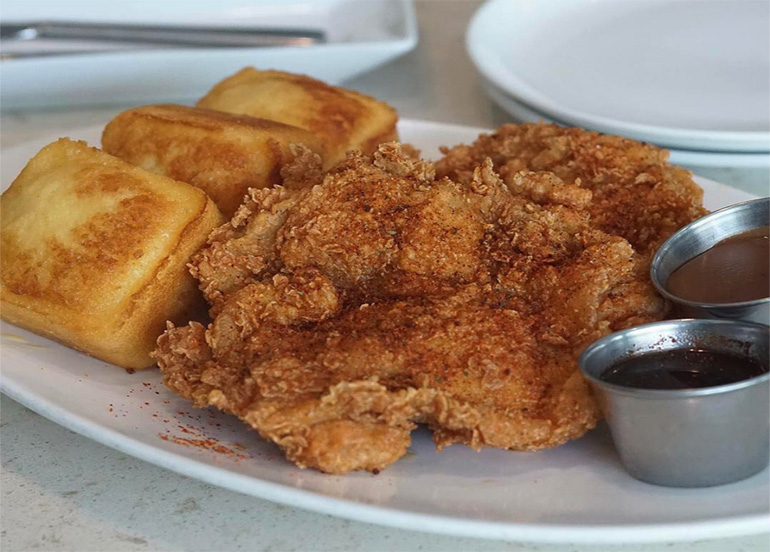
{"points": [[361, 35], [690, 75], [575, 493], [690, 158]]}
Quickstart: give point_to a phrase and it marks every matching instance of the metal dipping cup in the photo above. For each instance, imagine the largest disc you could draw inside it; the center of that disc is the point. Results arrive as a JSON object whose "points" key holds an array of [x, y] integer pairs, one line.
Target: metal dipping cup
{"points": [[686, 437], [700, 236]]}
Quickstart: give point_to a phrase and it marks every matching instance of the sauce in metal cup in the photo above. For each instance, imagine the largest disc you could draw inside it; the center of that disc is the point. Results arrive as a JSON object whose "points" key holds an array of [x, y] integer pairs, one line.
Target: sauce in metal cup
{"points": [[694, 437], [696, 239]]}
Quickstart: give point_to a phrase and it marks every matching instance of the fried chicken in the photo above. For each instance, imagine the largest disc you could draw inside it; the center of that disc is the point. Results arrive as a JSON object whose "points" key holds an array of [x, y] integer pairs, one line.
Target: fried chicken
{"points": [[637, 194], [355, 305]]}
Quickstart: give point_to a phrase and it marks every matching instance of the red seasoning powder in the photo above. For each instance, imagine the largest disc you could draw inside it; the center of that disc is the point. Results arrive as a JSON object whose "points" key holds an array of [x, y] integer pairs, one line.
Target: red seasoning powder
{"points": [[205, 444]]}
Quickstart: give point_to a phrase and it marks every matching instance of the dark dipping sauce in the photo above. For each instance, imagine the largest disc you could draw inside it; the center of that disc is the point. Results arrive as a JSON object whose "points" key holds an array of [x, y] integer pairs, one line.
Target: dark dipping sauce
{"points": [[733, 271], [681, 369]]}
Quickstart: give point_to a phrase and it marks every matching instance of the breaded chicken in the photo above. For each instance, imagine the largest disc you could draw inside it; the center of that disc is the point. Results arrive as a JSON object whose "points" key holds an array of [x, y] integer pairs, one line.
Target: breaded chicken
{"points": [[637, 194], [352, 307]]}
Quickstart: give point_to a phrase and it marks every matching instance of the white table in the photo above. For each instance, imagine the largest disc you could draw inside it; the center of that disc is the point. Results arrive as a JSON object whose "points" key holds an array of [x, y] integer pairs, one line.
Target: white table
{"points": [[61, 491]]}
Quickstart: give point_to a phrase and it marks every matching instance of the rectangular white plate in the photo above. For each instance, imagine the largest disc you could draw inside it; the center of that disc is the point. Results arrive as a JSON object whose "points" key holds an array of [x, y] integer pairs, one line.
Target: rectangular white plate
{"points": [[361, 34]]}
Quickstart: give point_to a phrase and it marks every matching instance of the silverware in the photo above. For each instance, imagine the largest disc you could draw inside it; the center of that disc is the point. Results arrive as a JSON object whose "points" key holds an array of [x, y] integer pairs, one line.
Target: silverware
{"points": [[208, 37], [698, 237], [689, 437]]}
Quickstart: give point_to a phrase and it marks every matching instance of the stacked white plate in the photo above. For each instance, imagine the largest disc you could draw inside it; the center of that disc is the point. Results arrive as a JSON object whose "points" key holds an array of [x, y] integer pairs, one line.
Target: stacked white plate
{"points": [[691, 76]]}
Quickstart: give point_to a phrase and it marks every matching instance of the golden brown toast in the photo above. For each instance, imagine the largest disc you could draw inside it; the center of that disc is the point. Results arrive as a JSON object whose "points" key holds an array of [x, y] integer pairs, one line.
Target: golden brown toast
{"points": [[344, 119], [221, 153], [93, 251]]}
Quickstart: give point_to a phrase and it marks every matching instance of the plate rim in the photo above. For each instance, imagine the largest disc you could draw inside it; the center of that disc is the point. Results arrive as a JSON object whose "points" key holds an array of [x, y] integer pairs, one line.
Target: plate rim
{"points": [[666, 136], [360, 511], [379, 515], [700, 158]]}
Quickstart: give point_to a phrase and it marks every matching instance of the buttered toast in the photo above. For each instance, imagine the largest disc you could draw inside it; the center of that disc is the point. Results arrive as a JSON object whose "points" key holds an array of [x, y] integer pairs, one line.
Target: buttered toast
{"points": [[221, 153], [342, 118], [93, 252]]}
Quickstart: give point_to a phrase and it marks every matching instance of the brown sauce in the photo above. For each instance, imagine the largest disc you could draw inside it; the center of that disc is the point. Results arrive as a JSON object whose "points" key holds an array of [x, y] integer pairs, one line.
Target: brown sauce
{"points": [[682, 369], [734, 270]]}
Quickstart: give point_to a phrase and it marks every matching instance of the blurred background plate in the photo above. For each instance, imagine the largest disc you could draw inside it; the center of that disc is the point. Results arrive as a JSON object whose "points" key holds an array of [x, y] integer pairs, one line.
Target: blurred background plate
{"points": [[360, 35], [691, 75], [523, 113]]}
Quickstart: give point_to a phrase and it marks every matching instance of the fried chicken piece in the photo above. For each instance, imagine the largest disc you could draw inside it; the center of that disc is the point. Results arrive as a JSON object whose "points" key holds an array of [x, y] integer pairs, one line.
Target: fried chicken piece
{"points": [[381, 226], [383, 297], [475, 375], [245, 248], [637, 194]]}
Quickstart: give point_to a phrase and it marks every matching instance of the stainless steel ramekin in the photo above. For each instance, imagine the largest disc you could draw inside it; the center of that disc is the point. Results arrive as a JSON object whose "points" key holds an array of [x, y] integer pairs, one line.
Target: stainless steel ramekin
{"points": [[698, 237], [690, 437]]}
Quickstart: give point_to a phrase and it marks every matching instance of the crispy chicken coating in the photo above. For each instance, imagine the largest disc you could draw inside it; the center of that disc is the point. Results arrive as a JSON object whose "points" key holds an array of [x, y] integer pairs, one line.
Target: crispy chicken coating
{"points": [[379, 297], [637, 194]]}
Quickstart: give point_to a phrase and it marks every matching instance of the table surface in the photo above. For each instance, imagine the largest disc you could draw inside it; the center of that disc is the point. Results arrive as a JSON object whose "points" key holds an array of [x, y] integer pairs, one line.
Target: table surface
{"points": [[61, 491]]}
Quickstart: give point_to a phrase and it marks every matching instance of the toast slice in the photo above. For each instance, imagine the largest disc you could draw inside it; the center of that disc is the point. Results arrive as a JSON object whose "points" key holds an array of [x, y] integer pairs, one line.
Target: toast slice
{"points": [[222, 154], [93, 252], [343, 119]]}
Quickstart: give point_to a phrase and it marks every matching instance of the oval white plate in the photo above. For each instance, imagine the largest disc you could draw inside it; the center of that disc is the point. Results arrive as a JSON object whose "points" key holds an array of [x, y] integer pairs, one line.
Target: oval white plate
{"points": [[575, 493], [691, 158], [690, 75]]}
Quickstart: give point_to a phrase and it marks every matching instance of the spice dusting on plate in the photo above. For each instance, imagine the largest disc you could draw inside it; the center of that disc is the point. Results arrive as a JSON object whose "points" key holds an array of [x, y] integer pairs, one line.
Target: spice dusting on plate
{"points": [[205, 444], [196, 437]]}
